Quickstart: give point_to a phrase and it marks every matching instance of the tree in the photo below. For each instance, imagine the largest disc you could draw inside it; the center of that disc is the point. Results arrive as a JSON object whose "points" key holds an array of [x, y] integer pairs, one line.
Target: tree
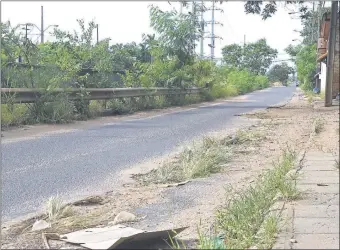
{"points": [[270, 8], [177, 33], [255, 57], [306, 66], [233, 55], [280, 73], [310, 30], [293, 50]]}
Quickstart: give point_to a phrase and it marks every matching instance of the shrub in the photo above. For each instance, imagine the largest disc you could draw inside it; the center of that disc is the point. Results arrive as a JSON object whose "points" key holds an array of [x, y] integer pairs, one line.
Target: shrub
{"points": [[13, 115], [49, 109]]}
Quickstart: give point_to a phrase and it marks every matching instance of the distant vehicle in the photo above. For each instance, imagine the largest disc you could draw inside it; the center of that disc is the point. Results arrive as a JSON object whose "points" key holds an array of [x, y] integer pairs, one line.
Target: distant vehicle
{"points": [[297, 84]]}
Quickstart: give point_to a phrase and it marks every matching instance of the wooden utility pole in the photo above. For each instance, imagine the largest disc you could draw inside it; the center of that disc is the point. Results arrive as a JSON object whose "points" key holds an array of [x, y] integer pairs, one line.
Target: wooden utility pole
{"points": [[330, 56]]}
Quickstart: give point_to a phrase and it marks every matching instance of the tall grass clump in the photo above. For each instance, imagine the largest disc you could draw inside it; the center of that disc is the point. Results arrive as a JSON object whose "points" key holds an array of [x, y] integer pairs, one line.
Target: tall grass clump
{"points": [[244, 213]]}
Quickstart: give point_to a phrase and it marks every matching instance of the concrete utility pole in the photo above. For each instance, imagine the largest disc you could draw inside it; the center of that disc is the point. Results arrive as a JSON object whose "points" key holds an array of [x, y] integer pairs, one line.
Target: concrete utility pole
{"points": [[330, 56], [202, 30], [97, 33], [42, 25], [213, 30]]}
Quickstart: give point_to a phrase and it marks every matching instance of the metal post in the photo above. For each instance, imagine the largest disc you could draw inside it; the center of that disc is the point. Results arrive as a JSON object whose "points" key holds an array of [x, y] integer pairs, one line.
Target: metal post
{"points": [[330, 56], [42, 25], [212, 30]]}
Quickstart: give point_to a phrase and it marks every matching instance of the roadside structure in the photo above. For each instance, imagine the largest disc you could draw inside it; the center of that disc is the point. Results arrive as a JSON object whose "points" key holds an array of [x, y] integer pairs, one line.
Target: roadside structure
{"points": [[324, 32]]}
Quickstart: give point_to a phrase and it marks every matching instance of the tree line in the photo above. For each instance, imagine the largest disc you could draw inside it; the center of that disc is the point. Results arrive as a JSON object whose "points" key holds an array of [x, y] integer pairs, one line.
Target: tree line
{"points": [[166, 58]]}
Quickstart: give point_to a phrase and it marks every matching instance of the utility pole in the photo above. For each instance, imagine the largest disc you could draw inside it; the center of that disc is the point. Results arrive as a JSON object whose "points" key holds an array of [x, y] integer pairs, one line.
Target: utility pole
{"points": [[213, 36], [42, 25], [330, 56], [202, 30], [26, 31], [244, 41], [97, 33], [213, 30]]}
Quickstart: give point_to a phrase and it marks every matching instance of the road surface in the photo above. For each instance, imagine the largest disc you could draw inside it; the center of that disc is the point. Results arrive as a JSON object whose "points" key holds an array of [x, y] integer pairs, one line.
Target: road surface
{"points": [[77, 163]]}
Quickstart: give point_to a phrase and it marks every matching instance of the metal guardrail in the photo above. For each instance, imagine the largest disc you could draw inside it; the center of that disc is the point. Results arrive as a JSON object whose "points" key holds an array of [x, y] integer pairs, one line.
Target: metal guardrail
{"points": [[25, 95]]}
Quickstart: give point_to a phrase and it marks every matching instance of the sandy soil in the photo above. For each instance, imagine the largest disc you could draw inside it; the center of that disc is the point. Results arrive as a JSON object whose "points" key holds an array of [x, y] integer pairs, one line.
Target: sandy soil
{"points": [[195, 203]]}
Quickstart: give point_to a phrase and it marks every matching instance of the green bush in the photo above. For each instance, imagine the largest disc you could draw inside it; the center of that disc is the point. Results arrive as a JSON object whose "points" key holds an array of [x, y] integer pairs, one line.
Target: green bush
{"points": [[95, 108], [224, 90], [56, 109], [13, 115]]}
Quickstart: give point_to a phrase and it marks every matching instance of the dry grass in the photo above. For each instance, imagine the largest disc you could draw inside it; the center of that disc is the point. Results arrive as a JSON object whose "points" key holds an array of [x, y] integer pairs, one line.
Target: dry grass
{"points": [[318, 125], [200, 159], [56, 209]]}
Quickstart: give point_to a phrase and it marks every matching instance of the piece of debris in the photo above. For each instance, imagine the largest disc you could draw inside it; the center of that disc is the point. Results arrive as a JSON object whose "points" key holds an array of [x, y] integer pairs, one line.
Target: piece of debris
{"points": [[293, 240], [114, 236], [49, 236], [176, 184], [92, 200], [123, 217], [40, 225], [322, 185]]}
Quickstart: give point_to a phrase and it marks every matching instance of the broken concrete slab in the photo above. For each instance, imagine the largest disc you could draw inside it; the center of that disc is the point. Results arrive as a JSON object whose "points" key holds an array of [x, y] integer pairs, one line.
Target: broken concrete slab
{"points": [[114, 236]]}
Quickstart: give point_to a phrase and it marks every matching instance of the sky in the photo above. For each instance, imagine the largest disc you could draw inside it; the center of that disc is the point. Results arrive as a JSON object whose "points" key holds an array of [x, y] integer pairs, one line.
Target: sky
{"points": [[126, 21]]}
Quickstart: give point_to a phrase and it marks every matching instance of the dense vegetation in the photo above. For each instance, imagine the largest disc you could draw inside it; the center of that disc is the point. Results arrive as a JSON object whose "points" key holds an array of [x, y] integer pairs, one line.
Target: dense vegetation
{"points": [[280, 73], [304, 54], [164, 59]]}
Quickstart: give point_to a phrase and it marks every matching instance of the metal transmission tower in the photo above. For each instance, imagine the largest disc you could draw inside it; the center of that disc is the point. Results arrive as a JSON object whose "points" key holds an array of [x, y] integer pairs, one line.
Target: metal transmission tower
{"points": [[212, 35], [197, 11]]}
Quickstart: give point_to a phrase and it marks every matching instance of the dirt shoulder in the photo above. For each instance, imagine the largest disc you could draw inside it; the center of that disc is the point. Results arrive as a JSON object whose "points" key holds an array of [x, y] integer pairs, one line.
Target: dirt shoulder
{"points": [[193, 204]]}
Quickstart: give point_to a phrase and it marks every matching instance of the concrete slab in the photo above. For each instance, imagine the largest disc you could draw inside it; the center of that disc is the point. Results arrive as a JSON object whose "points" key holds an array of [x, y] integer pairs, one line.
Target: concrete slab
{"points": [[320, 158], [316, 225], [316, 241], [316, 211], [319, 199], [318, 155], [319, 166], [319, 179], [315, 173], [314, 188]]}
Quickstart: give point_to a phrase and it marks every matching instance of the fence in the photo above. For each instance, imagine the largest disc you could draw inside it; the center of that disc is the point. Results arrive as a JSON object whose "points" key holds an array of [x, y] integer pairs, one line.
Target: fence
{"points": [[25, 95]]}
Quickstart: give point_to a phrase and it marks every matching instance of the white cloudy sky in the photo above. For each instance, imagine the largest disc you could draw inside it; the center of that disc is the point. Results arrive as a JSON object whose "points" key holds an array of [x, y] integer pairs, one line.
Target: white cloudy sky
{"points": [[126, 21]]}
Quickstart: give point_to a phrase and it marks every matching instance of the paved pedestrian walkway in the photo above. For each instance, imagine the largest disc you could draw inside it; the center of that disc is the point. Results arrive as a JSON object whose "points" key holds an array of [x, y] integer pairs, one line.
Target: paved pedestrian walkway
{"points": [[314, 221]]}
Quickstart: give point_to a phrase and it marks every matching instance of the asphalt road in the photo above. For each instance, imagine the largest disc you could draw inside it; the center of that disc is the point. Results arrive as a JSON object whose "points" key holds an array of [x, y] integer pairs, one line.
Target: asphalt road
{"points": [[77, 163]]}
